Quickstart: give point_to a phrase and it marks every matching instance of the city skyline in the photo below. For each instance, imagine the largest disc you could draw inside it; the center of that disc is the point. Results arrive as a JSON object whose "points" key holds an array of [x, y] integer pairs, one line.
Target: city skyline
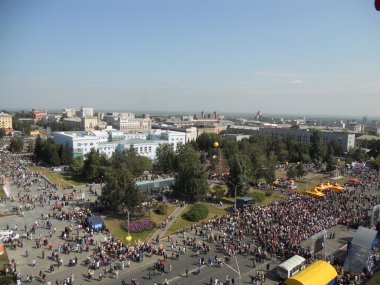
{"points": [[281, 57]]}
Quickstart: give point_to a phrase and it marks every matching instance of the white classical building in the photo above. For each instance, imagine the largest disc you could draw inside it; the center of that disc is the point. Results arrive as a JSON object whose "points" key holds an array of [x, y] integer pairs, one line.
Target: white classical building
{"points": [[107, 142], [81, 142], [108, 148]]}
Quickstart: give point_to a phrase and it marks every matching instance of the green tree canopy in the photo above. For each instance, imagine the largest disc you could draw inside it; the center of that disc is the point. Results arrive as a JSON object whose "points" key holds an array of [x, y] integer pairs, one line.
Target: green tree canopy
{"points": [[2, 133], [316, 146], [92, 167], [120, 188], [166, 157], [239, 174], [17, 144], [130, 159], [191, 179]]}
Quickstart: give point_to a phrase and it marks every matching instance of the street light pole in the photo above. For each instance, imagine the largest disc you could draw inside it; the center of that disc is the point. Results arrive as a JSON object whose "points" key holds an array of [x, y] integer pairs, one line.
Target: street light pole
{"points": [[126, 209]]}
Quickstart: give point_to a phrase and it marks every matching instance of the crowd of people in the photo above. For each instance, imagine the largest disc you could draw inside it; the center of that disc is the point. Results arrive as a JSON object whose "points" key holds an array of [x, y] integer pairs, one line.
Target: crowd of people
{"points": [[265, 233]]}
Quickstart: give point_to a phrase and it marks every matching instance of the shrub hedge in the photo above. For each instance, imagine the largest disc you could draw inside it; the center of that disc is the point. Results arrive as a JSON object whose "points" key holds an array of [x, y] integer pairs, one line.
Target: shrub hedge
{"points": [[196, 213], [162, 209], [258, 197]]}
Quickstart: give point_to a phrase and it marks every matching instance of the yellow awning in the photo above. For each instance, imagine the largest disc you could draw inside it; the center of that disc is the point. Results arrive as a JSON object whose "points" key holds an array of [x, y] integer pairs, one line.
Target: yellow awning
{"points": [[318, 273]]}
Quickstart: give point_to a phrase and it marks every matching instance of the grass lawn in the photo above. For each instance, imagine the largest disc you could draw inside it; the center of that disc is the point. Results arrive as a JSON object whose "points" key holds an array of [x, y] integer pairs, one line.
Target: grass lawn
{"points": [[310, 182], [180, 223], [267, 199], [62, 179], [2, 193], [4, 257], [114, 225]]}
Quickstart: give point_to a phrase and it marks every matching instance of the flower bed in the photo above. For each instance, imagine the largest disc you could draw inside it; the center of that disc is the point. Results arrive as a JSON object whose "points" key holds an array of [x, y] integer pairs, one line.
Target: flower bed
{"points": [[139, 226]]}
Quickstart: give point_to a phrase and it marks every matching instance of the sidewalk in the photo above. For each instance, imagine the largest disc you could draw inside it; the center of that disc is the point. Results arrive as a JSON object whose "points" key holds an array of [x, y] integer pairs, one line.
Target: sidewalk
{"points": [[161, 231]]}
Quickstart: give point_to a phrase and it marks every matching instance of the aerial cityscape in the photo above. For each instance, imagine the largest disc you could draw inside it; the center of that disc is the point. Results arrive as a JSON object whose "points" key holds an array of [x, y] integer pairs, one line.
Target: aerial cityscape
{"points": [[189, 142]]}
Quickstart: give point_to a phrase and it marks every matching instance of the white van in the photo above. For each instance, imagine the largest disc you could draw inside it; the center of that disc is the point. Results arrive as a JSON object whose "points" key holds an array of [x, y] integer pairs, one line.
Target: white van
{"points": [[291, 267]]}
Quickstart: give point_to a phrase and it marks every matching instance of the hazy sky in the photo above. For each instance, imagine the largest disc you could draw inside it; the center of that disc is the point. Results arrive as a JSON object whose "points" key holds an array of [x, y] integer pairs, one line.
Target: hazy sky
{"points": [[277, 56]]}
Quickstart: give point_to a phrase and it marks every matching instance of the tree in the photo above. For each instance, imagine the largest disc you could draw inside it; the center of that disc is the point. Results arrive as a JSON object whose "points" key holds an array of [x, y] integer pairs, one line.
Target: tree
{"points": [[52, 155], [218, 192], [191, 179], [239, 175], [91, 166], [316, 146], [77, 164], [120, 188], [66, 154], [270, 170], [38, 148], [300, 170], [330, 162], [165, 158], [2, 133], [291, 173], [130, 159], [17, 144]]}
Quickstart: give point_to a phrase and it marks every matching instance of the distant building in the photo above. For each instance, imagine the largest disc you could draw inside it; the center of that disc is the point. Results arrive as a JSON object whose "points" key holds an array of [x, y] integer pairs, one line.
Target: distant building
{"points": [[347, 141], [372, 130], [69, 112], [145, 148], [73, 123], [365, 138], [355, 127], [89, 123], [81, 142], [5, 121], [127, 123], [171, 137], [38, 115], [85, 112]]}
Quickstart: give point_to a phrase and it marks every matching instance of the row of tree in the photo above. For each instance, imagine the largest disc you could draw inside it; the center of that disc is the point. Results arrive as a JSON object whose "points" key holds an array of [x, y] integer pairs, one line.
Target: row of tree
{"points": [[52, 154]]}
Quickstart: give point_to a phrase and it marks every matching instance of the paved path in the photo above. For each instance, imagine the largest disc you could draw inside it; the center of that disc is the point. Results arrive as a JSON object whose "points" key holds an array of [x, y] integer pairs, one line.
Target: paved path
{"points": [[162, 230]]}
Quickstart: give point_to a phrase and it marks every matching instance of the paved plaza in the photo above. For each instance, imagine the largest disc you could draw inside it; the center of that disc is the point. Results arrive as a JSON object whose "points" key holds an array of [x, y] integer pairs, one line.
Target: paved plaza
{"points": [[36, 260]]}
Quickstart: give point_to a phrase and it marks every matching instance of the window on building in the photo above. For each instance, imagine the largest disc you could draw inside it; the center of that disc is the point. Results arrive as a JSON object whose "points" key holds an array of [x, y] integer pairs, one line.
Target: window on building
{"points": [[79, 144]]}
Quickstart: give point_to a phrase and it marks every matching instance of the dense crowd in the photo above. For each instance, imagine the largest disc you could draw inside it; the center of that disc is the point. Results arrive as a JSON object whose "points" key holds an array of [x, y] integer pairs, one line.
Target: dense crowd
{"points": [[267, 232]]}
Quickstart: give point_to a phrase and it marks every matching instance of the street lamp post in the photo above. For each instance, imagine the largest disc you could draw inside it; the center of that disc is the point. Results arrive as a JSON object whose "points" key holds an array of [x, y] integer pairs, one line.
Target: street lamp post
{"points": [[126, 209]]}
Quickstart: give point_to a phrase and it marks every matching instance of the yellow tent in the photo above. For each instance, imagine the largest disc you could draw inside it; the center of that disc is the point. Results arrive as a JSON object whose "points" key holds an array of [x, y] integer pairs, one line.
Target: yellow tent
{"points": [[314, 193], [337, 188], [318, 273]]}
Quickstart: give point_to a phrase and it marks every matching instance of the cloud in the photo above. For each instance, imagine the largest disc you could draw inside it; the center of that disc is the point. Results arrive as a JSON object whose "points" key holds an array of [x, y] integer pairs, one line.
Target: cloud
{"points": [[295, 82], [279, 74]]}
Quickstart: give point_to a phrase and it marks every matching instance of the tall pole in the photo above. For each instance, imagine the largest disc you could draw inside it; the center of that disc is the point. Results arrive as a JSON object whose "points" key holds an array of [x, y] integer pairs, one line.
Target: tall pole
{"points": [[126, 209]]}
